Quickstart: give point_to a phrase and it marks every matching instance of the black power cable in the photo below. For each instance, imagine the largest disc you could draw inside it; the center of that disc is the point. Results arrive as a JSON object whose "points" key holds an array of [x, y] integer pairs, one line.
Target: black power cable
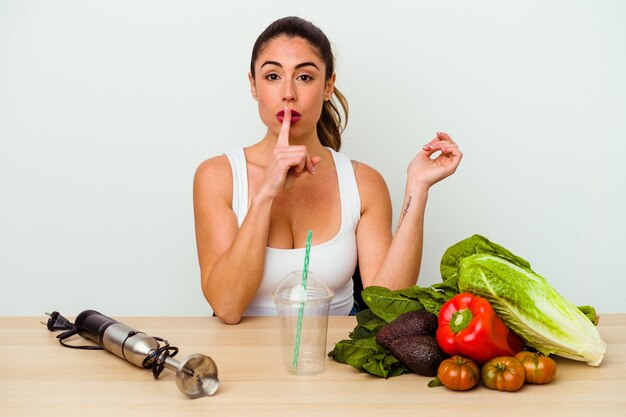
{"points": [[57, 322], [155, 360]]}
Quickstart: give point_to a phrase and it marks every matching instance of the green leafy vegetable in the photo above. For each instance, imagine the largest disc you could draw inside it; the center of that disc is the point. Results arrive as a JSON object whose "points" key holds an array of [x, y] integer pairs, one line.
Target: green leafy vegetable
{"points": [[368, 325], [452, 257], [366, 355], [388, 304], [591, 314], [532, 308], [429, 298]]}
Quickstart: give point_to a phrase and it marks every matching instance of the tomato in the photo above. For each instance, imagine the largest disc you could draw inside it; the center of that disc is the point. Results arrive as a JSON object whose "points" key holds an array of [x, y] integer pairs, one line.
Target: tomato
{"points": [[458, 373], [539, 369], [504, 373]]}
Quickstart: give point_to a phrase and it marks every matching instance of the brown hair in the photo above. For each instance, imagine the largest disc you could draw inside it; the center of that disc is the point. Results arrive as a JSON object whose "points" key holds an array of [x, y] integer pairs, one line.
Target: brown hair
{"points": [[329, 126]]}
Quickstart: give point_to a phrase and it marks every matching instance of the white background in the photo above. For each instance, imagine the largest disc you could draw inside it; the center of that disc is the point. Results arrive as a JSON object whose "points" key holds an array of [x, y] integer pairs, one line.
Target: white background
{"points": [[107, 108]]}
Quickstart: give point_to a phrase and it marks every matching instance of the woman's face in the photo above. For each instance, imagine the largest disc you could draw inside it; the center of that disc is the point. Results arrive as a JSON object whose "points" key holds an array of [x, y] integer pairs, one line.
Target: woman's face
{"points": [[288, 72]]}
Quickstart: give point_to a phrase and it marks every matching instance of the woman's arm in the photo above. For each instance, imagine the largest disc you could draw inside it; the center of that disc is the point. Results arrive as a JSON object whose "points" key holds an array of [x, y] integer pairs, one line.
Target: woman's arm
{"points": [[395, 263], [232, 258]]}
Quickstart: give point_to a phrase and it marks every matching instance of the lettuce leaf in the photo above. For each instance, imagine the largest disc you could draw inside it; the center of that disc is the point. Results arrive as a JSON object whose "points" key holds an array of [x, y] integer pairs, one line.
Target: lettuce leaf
{"points": [[452, 257], [531, 307]]}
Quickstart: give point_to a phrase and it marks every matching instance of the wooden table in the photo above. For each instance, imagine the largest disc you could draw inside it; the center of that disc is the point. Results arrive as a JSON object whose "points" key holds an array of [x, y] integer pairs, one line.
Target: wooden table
{"points": [[38, 377]]}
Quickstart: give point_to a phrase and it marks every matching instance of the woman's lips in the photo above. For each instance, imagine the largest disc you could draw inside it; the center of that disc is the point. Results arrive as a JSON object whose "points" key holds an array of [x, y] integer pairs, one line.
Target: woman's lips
{"points": [[295, 116]]}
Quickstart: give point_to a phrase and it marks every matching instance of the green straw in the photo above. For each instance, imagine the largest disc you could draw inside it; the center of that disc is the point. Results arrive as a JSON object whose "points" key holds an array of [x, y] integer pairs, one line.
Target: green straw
{"points": [[305, 275]]}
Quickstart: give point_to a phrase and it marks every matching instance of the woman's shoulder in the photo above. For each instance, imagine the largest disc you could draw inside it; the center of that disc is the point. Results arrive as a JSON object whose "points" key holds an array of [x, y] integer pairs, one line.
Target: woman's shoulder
{"points": [[213, 165], [367, 175], [372, 187], [214, 172]]}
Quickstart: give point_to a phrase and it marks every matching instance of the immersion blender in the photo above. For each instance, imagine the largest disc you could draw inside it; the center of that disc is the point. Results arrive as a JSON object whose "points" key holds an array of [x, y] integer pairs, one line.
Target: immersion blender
{"points": [[196, 375]]}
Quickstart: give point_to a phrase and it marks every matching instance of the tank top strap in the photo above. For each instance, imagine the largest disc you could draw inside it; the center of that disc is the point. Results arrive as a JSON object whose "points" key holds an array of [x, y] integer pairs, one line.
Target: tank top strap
{"points": [[348, 190], [237, 159]]}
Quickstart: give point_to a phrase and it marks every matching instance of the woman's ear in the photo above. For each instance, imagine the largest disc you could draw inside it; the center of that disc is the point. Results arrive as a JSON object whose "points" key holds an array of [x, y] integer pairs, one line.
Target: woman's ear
{"points": [[330, 87], [252, 86]]}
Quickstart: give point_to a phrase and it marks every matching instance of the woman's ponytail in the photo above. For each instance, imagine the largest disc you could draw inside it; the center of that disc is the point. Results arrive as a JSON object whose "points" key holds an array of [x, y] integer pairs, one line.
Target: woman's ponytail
{"points": [[330, 125]]}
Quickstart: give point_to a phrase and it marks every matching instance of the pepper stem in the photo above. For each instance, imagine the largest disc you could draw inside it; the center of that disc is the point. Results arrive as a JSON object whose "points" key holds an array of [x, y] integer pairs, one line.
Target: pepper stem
{"points": [[460, 320]]}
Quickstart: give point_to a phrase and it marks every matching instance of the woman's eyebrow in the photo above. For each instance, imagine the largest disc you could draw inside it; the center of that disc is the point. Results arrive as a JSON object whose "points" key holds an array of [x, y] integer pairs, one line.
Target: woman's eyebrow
{"points": [[278, 64], [303, 64], [307, 64]]}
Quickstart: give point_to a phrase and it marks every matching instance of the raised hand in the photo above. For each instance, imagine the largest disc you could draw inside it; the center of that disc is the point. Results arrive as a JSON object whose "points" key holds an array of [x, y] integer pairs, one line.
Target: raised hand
{"points": [[426, 170]]}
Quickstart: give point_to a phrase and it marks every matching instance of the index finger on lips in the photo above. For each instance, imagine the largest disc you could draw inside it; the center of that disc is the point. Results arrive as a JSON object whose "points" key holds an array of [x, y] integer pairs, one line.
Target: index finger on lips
{"points": [[283, 135]]}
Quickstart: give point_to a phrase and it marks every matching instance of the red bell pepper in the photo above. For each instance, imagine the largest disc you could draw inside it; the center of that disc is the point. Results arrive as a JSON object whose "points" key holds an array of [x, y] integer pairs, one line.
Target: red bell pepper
{"points": [[468, 326]]}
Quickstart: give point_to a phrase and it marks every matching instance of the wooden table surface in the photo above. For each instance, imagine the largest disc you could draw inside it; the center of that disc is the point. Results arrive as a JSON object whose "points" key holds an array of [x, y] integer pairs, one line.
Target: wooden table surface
{"points": [[39, 377]]}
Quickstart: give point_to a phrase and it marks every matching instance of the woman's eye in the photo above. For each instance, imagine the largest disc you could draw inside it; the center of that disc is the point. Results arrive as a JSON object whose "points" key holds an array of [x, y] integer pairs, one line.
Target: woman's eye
{"points": [[271, 77], [305, 77]]}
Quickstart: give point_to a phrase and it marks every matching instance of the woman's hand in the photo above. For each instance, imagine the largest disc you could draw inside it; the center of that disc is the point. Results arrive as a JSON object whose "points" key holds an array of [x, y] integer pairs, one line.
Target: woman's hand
{"points": [[289, 162], [425, 170]]}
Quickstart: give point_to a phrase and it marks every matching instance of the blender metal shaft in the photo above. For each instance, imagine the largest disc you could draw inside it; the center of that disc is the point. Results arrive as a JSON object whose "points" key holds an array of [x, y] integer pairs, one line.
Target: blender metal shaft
{"points": [[196, 375]]}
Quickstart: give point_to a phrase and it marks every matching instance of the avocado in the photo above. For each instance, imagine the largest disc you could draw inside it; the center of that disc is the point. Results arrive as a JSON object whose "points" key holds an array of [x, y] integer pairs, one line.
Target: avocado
{"points": [[412, 323], [421, 354]]}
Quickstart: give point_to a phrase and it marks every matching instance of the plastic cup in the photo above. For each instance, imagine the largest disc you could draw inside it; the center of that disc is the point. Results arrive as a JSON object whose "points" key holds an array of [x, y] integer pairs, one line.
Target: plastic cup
{"points": [[303, 355]]}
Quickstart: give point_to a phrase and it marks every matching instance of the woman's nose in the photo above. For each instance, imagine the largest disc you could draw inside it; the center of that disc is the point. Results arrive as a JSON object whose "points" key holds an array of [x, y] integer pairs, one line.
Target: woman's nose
{"points": [[289, 92]]}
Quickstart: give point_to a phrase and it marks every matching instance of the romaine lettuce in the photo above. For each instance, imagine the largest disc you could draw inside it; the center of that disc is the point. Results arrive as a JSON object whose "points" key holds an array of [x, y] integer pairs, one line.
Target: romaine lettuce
{"points": [[530, 306]]}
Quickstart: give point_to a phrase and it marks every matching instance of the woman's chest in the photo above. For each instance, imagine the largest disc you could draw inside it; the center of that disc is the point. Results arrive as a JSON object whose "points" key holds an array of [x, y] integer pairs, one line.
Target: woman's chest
{"points": [[309, 204]]}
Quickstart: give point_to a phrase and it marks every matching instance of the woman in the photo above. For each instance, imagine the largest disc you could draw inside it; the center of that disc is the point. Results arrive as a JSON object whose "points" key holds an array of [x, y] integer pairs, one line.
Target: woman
{"points": [[253, 207]]}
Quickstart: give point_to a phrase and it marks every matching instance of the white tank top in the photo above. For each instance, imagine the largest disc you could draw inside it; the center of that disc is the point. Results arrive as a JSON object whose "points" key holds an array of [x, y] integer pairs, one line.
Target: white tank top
{"points": [[334, 260]]}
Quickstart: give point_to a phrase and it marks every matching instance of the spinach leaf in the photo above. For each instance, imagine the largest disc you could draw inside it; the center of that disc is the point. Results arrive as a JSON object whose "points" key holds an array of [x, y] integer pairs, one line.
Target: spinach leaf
{"points": [[385, 365], [430, 298], [388, 304], [367, 326], [366, 355]]}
